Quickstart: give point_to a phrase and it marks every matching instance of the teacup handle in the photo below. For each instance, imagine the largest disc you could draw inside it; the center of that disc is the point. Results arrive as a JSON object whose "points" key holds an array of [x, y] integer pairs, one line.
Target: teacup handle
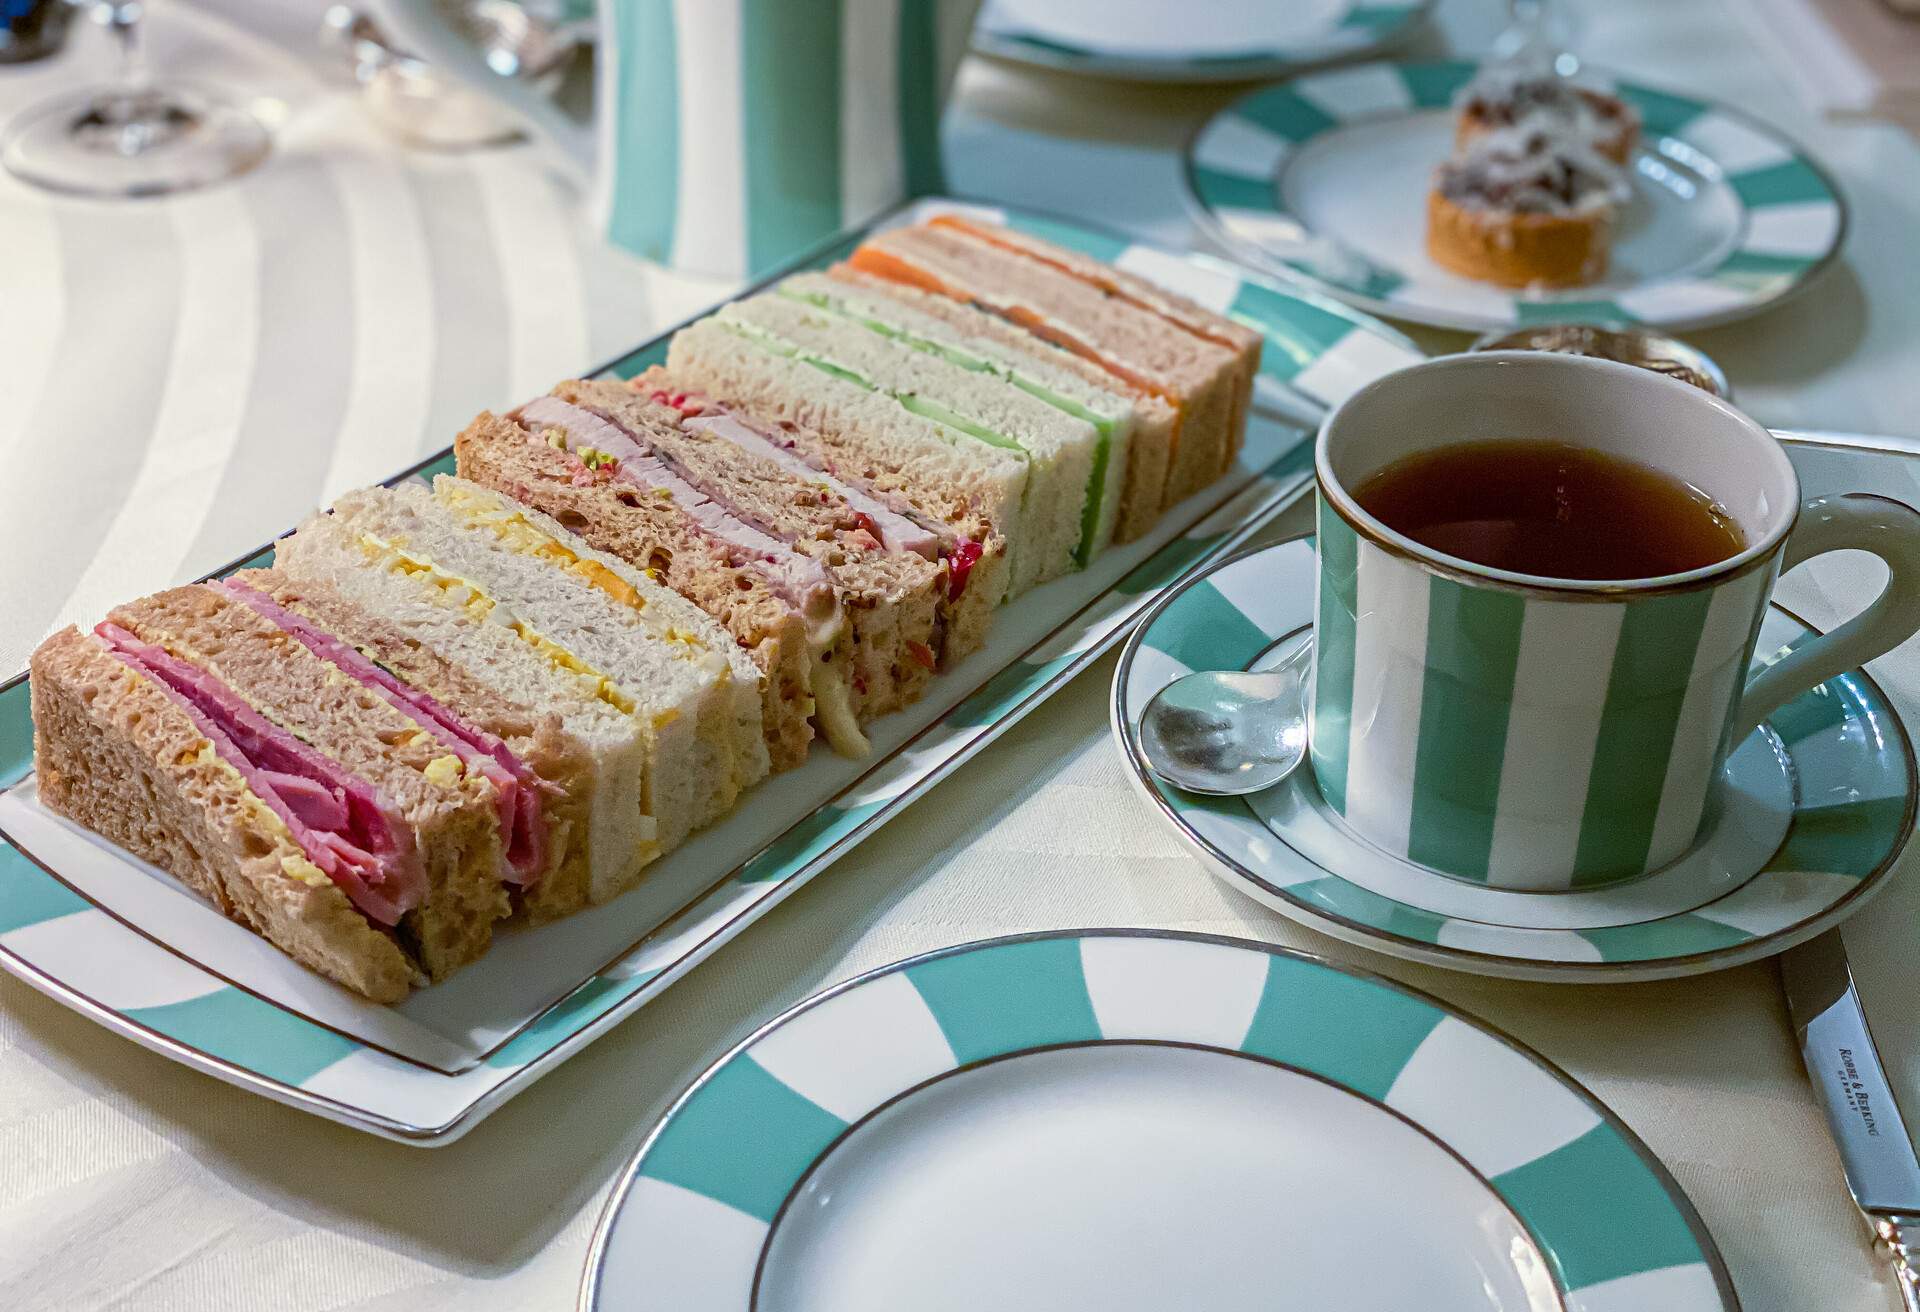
{"points": [[1852, 521]]}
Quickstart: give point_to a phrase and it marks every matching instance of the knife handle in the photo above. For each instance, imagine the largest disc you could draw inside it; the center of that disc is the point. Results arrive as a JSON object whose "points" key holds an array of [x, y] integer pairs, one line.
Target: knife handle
{"points": [[1898, 1235]]}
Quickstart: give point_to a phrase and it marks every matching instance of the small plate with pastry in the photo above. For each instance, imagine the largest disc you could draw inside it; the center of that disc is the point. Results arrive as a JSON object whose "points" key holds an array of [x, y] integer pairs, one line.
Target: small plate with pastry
{"points": [[1486, 197]]}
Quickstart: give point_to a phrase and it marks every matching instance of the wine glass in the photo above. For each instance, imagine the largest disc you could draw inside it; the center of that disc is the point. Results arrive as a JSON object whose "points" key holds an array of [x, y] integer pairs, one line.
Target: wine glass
{"points": [[1538, 35], [137, 137]]}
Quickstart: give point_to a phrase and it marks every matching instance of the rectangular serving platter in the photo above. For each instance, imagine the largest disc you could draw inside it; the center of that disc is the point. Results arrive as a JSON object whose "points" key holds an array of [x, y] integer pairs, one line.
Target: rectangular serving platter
{"points": [[127, 946]]}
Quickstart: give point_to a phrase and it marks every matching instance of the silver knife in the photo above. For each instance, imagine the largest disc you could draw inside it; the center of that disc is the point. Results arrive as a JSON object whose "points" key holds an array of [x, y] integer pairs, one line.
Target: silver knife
{"points": [[1882, 1171]]}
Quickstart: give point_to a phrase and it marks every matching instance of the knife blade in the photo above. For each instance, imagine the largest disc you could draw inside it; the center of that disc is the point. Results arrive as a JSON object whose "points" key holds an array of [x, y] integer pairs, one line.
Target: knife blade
{"points": [[1883, 1172]]}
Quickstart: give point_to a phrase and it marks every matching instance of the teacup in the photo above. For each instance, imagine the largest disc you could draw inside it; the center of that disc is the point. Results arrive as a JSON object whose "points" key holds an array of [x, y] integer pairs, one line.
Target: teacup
{"points": [[1538, 733]]}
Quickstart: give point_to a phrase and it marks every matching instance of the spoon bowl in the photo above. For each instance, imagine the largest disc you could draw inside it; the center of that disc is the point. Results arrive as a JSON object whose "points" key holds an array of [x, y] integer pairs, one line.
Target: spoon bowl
{"points": [[1228, 733]]}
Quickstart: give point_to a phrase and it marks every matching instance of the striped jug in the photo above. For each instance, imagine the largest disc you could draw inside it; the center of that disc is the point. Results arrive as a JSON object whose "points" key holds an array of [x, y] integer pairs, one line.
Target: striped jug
{"points": [[1544, 734]]}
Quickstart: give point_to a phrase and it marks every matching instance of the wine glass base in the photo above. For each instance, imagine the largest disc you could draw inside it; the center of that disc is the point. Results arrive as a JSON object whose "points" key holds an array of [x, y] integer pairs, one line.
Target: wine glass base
{"points": [[117, 141]]}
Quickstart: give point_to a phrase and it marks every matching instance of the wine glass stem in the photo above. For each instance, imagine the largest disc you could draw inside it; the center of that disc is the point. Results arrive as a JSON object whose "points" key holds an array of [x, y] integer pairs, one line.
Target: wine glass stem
{"points": [[1534, 30], [123, 16]]}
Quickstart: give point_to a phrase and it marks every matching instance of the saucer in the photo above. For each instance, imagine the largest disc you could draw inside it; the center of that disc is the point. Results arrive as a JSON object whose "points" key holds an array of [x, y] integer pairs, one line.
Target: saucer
{"points": [[1325, 178], [1220, 41], [1811, 811], [1132, 1120]]}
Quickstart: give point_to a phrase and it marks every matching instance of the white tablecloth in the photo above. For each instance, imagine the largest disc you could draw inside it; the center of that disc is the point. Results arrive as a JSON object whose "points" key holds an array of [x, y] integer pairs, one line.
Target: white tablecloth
{"points": [[182, 379]]}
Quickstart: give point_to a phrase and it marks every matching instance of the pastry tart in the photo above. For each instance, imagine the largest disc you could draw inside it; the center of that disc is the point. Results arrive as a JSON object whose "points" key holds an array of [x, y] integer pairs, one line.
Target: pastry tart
{"points": [[1524, 206], [1504, 95]]}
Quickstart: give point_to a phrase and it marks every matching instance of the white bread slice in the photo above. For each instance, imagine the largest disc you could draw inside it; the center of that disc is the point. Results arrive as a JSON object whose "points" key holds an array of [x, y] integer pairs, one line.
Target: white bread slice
{"points": [[988, 353], [1150, 418], [454, 826], [674, 684], [114, 753], [1060, 448], [957, 480], [509, 568], [665, 652]]}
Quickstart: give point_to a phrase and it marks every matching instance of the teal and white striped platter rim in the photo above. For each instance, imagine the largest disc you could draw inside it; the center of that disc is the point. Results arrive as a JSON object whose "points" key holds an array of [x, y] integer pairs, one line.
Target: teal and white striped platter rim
{"points": [[1324, 179], [1851, 766], [986, 1125], [1228, 43], [289, 1037]]}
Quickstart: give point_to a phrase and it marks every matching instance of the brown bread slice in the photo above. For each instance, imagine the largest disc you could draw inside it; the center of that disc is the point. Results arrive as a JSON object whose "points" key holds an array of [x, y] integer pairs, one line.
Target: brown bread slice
{"points": [[890, 599], [960, 616], [452, 818], [654, 536], [113, 753], [541, 741], [867, 439]]}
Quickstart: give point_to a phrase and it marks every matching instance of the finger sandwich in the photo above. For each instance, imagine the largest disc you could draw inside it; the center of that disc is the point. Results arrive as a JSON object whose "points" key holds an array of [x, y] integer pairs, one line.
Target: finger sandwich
{"points": [[542, 775], [664, 698], [1049, 454], [201, 736], [1200, 363], [842, 627], [965, 569], [1137, 424]]}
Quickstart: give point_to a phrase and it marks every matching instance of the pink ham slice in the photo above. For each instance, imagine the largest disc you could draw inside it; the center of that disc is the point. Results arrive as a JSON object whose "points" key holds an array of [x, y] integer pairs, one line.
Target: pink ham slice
{"points": [[896, 531], [340, 822], [313, 802], [518, 791], [798, 579]]}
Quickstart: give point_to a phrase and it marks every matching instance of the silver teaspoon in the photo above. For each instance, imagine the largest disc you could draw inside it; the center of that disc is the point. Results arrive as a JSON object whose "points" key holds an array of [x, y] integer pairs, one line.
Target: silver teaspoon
{"points": [[1229, 732]]}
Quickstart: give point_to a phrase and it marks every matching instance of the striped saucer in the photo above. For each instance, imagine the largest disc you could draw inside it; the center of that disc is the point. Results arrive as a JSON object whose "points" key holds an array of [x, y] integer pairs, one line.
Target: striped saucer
{"points": [[1812, 812], [1130, 1120]]}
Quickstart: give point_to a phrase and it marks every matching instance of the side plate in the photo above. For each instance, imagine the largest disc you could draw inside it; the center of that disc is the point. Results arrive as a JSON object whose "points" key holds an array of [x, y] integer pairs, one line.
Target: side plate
{"points": [[986, 1125], [123, 944]]}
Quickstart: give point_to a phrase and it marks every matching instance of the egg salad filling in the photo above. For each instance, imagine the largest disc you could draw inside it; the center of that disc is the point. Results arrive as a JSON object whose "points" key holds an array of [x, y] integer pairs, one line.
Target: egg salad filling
{"points": [[511, 526], [294, 864], [471, 598]]}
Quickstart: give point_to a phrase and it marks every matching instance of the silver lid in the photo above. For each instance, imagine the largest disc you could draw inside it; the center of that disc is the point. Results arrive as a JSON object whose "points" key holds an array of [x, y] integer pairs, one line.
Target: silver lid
{"points": [[1628, 345]]}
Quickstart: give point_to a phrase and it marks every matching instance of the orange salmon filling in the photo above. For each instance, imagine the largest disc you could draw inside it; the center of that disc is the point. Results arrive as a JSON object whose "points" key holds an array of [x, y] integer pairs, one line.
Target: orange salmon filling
{"points": [[1105, 284], [885, 264]]}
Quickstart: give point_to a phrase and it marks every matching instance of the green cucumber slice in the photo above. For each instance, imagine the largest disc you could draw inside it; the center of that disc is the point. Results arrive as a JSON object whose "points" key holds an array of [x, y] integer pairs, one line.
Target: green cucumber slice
{"points": [[1102, 424]]}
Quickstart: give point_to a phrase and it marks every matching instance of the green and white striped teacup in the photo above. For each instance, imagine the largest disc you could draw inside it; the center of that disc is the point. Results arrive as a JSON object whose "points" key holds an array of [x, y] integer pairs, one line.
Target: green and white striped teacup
{"points": [[1538, 733]]}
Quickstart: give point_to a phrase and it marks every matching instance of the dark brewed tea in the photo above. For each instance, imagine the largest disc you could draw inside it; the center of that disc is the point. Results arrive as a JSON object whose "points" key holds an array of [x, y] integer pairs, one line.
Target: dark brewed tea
{"points": [[1550, 509]]}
